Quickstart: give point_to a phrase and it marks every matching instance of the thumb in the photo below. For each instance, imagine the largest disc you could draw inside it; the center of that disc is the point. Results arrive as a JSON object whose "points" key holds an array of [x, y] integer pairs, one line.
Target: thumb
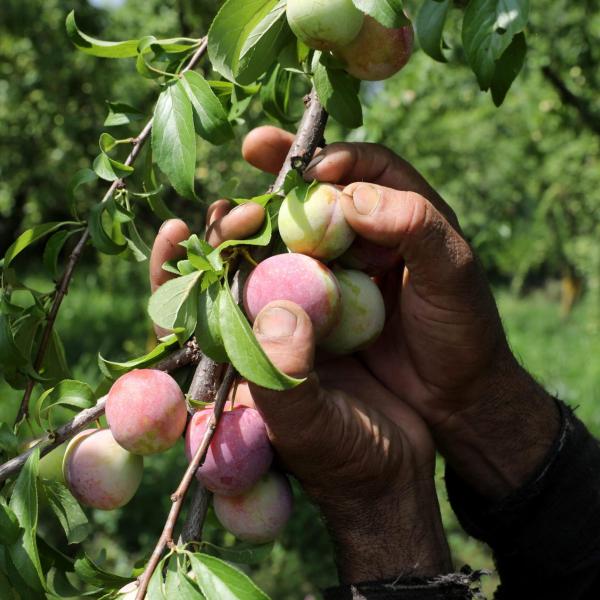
{"points": [[285, 333], [428, 241]]}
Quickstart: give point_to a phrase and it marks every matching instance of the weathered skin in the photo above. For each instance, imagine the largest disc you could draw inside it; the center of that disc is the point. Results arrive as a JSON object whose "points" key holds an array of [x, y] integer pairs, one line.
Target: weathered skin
{"points": [[259, 515], [316, 225], [240, 452], [100, 473], [146, 411], [377, 52], [324, 24], [299, 279], [363, 314]]}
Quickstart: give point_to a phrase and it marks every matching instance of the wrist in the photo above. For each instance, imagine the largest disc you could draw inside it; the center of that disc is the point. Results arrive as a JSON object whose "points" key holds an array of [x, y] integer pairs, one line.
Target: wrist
{"points": [[398, 534], [504, 434]]}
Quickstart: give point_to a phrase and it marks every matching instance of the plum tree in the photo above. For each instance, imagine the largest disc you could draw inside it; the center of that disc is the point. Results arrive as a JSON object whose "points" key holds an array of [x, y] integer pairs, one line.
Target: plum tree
{"points": [[315, 225], [324, 24], [376, 52], [259, 515], [300, 279], [363, 313], [99, 472], [51, 464], [240, 452], [146, 411]]}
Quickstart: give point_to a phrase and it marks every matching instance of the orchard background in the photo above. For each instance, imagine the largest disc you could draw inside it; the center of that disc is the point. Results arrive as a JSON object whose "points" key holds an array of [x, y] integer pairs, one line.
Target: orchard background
{"points": [[523, 178]]}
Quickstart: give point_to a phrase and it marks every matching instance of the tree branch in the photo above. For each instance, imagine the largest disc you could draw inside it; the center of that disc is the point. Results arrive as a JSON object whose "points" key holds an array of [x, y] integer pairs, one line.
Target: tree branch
{"points": [[63, 284], [184, 356]]}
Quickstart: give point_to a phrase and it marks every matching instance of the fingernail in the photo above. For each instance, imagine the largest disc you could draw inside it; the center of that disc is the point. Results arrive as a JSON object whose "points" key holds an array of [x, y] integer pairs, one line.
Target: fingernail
{"points": [[366, 198], [314, 162], [276, 323]]}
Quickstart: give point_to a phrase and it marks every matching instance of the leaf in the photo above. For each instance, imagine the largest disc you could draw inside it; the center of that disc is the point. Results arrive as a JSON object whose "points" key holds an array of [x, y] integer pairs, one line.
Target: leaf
{"points": [[109, 169], [67, 510], [155, 587], [69, 392], [112, 369], [53, 248], [210, 117], [246, 554], [261, 238], [137, 245], [175, 304], [24, 504], [94, 575], [31, 236], [9, 442], [173, 139], [221, 581], [120, 113], [229, 31], [243, 349], [338, 92], [390, 13], [10, 355], [100, 238], [429, 27], [263, 44], [488, 29], [508, 67], [275, 95], [208, 333], [9, 524], [80, 178], [95, 47], [55, 367]]}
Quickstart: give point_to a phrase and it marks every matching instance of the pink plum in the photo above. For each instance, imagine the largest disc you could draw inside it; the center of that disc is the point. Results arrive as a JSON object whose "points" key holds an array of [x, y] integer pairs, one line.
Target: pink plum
{"points": [[99, 472], [315, 225], [259, 515], [299, 279], [363, 314], [146, 411], [377, 52], [239, 454]]}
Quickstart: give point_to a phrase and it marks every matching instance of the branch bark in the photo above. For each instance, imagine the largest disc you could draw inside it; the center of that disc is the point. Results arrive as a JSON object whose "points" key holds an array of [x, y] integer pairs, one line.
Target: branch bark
{"points": [[184, 356], [63, 284]]}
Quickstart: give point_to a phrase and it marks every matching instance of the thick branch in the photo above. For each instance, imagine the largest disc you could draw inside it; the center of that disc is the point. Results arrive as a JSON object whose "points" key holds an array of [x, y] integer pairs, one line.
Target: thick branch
{"points": [[179, 358], [568, 97], [63, 284], [166, 538]]}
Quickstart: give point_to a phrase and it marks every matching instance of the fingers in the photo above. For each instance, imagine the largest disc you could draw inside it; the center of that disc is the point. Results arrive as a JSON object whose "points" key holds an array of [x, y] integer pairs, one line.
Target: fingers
{"points": [[217, 210], [241, 222], [285, 333], [266, 148], [434, 251], [166, 247]]}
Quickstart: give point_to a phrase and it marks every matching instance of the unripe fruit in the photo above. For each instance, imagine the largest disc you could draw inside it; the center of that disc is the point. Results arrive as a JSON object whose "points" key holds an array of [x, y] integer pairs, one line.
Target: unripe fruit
{"points": [[51, 464], [146, 411], [259, 515], [363, 314], [377, 52], [299, 279], [316, 225], [239, 454], [324, 24], [99, 472]]}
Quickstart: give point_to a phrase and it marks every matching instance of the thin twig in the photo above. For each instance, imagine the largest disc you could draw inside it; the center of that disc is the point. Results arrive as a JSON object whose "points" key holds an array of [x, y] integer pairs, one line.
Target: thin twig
{"points": [[184, 356], [166, 538], [63, 285]]}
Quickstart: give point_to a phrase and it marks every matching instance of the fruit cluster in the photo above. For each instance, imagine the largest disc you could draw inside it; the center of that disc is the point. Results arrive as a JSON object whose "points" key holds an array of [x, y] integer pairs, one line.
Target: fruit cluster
{"points": [[365, 48]]}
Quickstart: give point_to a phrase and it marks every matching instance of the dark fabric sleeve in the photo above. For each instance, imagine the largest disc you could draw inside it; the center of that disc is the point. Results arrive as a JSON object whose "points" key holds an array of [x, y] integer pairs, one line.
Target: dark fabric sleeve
{"points": [[453, 586], [545, 536]]}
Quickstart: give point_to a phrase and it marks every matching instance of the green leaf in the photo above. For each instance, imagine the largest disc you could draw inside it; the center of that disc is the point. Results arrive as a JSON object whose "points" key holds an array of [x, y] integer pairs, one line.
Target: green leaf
{"points": [[208, 333], [70, 393], [9, 524], [137, 245], [100, 238], [210, 118], [155, 587], [55, 367], [31, 236], [174, 305], [261, 238], [390, 13], [338, 92], [9, 442], [243, 349], [53, 247], [109, 169], [94, 575], [24, 504], [429, 27], [10, 355], [508, 67], [488, 29], [229, 31], [120, 113], [275, 95], [67, 510], [263, 44], [219, 580], [80, 178], [245, 554], [173, 139], [112, 369], [95, 47]]}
